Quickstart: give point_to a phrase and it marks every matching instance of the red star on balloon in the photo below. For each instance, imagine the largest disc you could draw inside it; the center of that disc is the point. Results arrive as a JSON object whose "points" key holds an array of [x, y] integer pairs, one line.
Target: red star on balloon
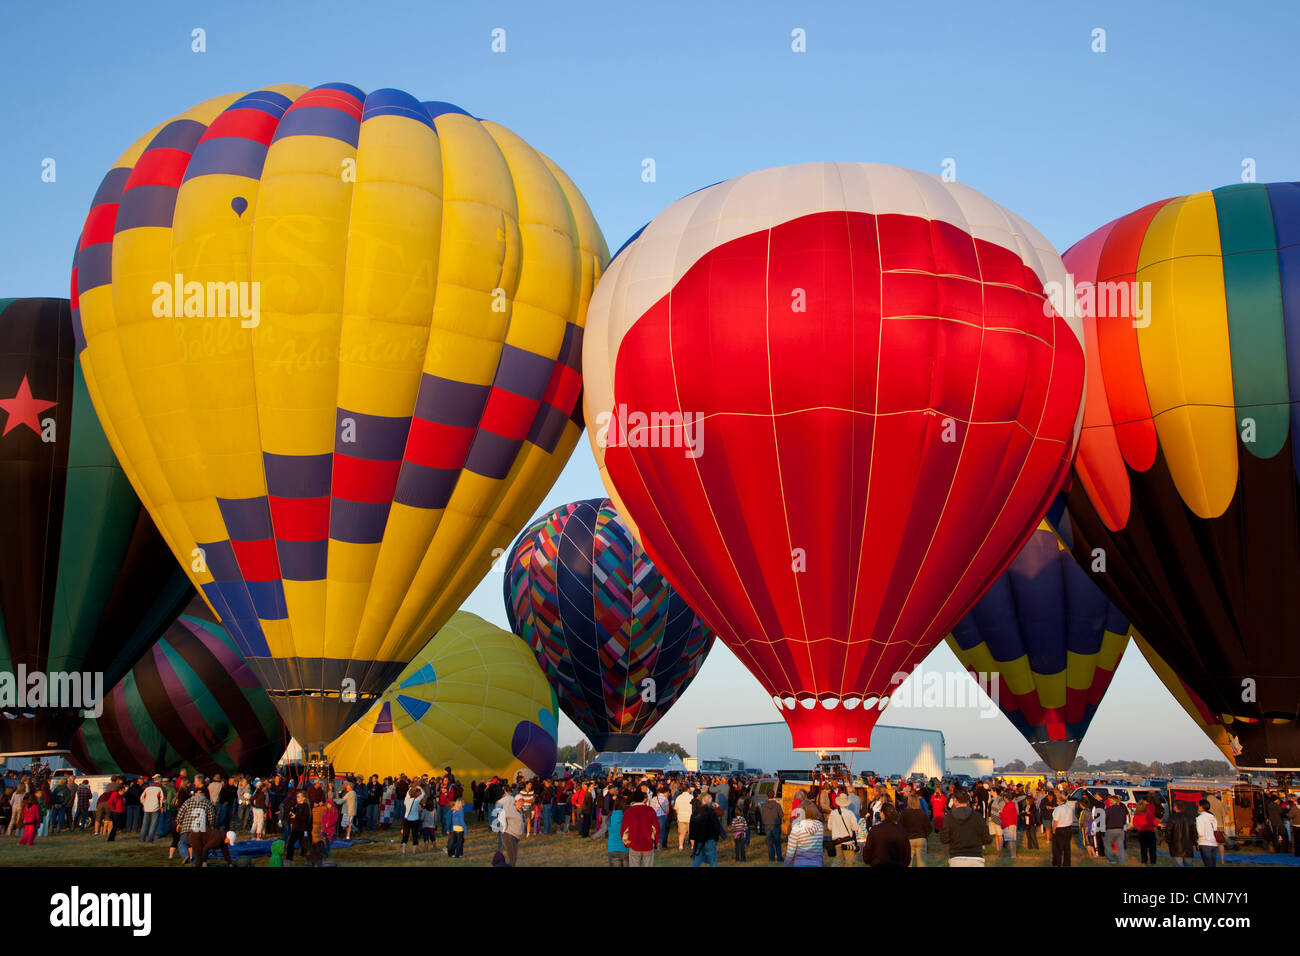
{"points": [[23, 409]]}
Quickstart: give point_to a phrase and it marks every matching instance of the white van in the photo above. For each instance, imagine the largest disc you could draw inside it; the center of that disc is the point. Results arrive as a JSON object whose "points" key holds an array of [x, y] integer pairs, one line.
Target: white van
{"points": [[1129, 796]]}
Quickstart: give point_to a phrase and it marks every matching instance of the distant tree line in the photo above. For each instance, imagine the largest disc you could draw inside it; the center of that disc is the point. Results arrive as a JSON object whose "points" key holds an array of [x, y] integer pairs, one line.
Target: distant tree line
{"points": [[1177, 768]]}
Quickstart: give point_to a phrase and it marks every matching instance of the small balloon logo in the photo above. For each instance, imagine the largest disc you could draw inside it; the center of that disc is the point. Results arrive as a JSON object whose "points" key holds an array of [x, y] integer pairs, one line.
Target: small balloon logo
{"points": [[239, 204]]}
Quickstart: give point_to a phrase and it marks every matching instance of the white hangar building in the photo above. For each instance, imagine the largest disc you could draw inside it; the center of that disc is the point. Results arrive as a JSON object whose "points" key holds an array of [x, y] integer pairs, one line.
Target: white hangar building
{"points": [[901, 750]]}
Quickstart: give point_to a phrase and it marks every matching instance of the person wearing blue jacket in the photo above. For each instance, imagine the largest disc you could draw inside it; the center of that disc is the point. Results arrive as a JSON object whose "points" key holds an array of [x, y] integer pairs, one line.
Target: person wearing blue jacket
{"points": [[456, 833], [615, 846]]}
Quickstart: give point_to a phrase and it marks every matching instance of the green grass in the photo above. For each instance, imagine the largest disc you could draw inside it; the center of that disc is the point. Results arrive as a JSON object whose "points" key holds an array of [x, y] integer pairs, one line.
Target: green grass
{"points": [[567, 850]]}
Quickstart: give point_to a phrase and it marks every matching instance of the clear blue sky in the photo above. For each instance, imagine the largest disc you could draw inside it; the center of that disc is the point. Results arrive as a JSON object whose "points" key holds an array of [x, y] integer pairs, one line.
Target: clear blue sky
{"points": [[1012, 92]]}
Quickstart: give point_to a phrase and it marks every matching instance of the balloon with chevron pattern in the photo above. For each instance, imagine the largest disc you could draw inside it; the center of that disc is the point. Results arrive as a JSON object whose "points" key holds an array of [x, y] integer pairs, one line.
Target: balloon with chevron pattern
{"points": [[618, 644]]}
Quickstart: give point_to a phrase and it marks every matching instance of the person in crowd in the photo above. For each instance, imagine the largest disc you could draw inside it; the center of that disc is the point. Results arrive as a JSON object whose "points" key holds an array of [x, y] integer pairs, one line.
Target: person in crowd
{"points": [[196, 817], [259, 804], [512, 826], [1063, 826], [887, 843], [1009, 818], [530, 798], [844, 830], [29, 818], [739, 832], [131, 799], [1180, 833], [916, 823], [965, 832], [81, 813], [705, 831], [615, 848], [640, 830], [1029, 821], [412, 819], [116, 811], [208, 841], [803, 845], [299, 826], [1116, 818], [329, 825], [456, 838], [1207, 842], [347, 804], [684, 805], [61, 796], [151, 803], [771, 814], [661, 803], [1144, 823]]}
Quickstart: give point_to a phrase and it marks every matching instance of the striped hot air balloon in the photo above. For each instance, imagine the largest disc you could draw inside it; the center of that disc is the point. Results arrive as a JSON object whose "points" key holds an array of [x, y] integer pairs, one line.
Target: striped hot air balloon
{"points": [[334, 337], [86, 583], [1187, 466], [191, 702], [472, 699], [1052, 639], [617, 642], [833, 400]]}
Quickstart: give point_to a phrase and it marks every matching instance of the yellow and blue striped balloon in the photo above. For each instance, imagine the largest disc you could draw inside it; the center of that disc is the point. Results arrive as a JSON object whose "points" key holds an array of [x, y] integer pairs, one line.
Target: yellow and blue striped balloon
{"points": [[334, 337]]}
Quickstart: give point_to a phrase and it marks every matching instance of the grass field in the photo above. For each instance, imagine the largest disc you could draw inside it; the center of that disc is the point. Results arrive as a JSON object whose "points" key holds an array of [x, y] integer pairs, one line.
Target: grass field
{"points": [[567, 850]]}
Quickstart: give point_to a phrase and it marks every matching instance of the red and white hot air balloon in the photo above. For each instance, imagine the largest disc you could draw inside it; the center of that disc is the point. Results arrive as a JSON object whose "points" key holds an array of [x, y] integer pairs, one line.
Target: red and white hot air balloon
{"points": [[833, 400]]}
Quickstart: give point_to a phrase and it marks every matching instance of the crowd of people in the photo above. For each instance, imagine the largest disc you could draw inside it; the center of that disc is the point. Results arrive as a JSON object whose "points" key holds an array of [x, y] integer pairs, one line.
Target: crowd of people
{"points": [[878, 823]]}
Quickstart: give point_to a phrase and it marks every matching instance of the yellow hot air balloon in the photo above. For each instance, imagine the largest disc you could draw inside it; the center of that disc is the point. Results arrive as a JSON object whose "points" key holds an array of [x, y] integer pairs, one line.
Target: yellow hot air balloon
{"points": [[474, 699], [334, 339]]}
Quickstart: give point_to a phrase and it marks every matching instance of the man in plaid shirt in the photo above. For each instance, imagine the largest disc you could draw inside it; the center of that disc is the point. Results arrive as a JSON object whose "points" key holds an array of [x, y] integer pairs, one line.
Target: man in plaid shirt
{"points": [[196, 817]]}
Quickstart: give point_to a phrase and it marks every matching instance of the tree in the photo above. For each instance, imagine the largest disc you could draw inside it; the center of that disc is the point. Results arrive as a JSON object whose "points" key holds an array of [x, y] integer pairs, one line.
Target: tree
{"points": [[664, 747], [580, 753]]}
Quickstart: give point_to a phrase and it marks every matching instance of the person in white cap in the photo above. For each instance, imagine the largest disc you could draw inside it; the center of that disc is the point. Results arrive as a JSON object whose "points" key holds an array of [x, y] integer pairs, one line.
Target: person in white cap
{"points": [[844, 830]]}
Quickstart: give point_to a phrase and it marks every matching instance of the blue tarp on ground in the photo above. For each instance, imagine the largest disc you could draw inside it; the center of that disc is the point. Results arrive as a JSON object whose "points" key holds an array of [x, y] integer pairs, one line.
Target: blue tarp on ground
{"points": [[1263, 859], [263, 847]]}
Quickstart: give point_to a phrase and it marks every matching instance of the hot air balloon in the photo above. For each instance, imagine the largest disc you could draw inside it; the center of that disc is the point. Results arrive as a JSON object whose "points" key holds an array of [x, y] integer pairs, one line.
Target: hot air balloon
{"points": [[833, 401], [473, 699], [1053, 641], [86, 583], [616, 641], [191, 702], [341, 395], [1186, 490]]}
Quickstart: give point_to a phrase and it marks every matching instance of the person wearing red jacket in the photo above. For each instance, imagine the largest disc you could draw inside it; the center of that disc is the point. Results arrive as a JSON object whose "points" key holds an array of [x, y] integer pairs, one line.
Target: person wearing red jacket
{"points": [[1009, 817], [1144, 821], [938, 804], [30, 819], [117, 810], [640, 830]]}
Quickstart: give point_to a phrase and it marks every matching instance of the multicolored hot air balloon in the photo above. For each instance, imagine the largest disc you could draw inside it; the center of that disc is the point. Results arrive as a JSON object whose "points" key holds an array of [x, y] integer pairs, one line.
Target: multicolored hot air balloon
{"points": [[473, 699], [191, 702], [833, 400], [334, 338], [1053, 641], [617, 642], [1187, 467], [86, 583]]}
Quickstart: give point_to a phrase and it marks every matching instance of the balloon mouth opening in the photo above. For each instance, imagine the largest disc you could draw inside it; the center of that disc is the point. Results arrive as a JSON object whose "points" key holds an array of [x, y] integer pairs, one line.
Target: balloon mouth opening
{"points": [[790, 702]]}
